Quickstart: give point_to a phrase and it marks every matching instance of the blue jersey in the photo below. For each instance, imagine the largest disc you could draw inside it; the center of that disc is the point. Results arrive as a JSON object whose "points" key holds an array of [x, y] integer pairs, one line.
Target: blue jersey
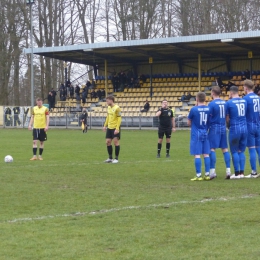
{"points": [[199, 116], [253, 111], [217, 119], [236, 110]]}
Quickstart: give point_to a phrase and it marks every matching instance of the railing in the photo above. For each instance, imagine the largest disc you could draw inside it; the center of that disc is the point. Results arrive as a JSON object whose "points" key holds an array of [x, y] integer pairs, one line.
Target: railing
{"points": [[70, 119]]}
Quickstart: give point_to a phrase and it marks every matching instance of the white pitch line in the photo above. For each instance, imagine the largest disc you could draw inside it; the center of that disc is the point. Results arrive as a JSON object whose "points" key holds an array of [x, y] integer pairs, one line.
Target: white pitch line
{"points": [[34, 164], [103, 211]]}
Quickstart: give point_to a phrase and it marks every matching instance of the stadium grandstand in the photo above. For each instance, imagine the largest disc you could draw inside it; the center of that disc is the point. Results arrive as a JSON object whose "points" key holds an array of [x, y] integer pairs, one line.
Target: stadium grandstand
{"points": [[172, 66]]}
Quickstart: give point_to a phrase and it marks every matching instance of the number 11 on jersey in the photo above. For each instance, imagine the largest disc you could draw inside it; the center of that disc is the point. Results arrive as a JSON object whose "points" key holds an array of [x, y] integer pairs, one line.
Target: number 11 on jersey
{"points": [[222, 111]]}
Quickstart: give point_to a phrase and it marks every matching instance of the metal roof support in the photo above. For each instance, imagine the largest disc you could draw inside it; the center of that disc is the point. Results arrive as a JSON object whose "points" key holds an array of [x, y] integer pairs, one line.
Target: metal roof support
{"points": [[106, 77], [151, 80], [199, 71]]}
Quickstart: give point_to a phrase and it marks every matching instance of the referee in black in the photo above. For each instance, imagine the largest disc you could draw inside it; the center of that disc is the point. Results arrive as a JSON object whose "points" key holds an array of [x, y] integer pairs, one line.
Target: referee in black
{"points": [[166, 127]]}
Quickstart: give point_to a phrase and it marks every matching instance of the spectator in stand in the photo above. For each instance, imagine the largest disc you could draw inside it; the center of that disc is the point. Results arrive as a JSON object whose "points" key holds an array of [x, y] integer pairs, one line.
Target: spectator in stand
{"points": [[189, 96], [93, 94], [54, 93], [130, 76], [50, 100], [99, 94], [122, 80], [63, 95], [87, 90], [247, 74], [257, 89], [93, 83], [95, 67], [137, 84], [229, 85], [103, 93], [68, 83], [146, 107], [84, 95], [77, 92], [142, 78], [115, 82], [71, 92], [88, 84], [62, 87], [220, 83], [131, 83], [184, 97]]}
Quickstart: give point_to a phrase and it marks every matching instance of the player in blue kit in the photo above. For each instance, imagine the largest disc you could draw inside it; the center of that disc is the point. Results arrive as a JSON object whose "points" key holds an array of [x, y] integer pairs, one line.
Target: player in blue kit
{"points": [[199, 143], [217, 131], [253, 126], [236, 118]]}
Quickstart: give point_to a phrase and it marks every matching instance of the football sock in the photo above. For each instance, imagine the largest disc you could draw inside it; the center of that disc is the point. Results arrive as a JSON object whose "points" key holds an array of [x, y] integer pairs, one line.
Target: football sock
{"points": [[117, 149], [168, 145], [197, 162], [40, 151], [34, 151], [227, 159], [110, 151], [258, 153], [159, 148], [242, 161], [252, 158], [207, 165], [212, 159], [235, 158]]}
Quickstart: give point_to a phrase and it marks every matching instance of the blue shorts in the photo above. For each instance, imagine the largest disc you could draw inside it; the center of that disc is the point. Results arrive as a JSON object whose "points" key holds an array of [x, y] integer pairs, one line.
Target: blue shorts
{"points": [[253, 137], [199, 147], [217, 140], [237, 142]]}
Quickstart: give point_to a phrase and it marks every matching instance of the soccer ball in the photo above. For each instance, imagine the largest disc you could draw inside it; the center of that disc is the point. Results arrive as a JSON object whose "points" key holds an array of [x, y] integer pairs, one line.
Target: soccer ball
{"points": [[8, 159]]}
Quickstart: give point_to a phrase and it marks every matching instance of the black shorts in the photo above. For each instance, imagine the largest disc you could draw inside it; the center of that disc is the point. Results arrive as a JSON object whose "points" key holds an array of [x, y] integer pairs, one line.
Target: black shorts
{"points": [[39, 134], [167, 132], [110, 134]]}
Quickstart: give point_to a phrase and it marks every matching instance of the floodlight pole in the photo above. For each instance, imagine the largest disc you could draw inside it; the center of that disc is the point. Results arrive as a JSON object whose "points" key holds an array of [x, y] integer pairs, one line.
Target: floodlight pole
{"points": [[30, 3]]}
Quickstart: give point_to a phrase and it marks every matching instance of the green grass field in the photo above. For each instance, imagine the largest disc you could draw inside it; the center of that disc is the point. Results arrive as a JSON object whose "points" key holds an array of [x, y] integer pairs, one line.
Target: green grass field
{"points": [[73, 206]]}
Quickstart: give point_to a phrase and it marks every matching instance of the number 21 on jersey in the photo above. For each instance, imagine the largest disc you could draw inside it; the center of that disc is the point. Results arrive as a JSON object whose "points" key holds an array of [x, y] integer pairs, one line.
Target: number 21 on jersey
{"points": [[203, 118], [256, 105]]}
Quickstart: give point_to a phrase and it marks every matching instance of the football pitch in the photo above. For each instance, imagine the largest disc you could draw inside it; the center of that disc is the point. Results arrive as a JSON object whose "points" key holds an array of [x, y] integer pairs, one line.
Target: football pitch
{"points": [[71, 205]]}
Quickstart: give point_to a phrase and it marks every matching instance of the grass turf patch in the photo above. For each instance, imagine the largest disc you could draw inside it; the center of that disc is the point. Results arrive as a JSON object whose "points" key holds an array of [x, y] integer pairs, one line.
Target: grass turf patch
{"points": [[140, 208]]}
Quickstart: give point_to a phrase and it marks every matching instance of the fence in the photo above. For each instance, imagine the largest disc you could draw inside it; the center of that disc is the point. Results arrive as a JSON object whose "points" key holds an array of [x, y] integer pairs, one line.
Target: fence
{"points": [[19, 117]]}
